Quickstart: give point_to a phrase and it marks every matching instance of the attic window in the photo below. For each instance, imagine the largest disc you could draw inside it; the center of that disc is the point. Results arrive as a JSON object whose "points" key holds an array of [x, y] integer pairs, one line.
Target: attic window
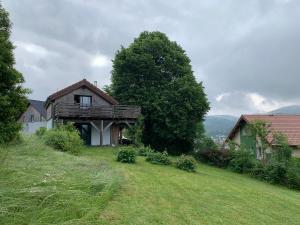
{"points": [[84, 100]]}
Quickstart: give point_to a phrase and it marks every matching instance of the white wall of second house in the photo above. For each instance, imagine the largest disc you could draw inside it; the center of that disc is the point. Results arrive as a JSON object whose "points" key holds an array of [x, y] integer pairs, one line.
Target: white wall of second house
{"points": [[49, 124], [31, 127], [237, 137]]}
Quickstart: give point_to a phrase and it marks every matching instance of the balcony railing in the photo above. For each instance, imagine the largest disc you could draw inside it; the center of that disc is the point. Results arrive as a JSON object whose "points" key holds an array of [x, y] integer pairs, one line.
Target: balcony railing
{"points": [[65, 110]]}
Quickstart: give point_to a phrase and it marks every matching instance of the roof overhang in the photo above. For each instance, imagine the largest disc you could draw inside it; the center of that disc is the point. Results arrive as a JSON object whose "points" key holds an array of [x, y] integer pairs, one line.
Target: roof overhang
{"points": [[83, 83]]}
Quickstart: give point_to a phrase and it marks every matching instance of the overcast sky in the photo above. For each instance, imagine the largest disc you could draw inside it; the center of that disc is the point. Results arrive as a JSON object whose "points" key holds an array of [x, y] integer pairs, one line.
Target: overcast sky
{"points": [[247, 53]]}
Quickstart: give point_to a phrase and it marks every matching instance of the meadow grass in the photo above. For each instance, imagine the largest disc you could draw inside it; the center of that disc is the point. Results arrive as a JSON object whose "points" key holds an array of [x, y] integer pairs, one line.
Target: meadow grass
{"points": [[42, 186], [155, 194]]}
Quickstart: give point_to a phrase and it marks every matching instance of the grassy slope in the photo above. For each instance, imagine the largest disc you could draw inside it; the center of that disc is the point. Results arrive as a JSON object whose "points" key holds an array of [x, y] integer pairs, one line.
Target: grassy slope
{"points": [[43, 186], [155, 194]]}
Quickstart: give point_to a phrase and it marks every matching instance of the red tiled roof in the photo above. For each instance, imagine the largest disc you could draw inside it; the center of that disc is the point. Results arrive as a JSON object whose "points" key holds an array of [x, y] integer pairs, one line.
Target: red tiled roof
{"points": [[288, 125], [77, 85]]}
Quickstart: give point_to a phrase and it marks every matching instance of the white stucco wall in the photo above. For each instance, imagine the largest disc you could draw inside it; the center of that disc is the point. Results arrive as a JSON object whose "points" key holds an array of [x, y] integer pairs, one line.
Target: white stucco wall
{"points": [[31, 127], [95, 137], [237, 137], [106, 137]]}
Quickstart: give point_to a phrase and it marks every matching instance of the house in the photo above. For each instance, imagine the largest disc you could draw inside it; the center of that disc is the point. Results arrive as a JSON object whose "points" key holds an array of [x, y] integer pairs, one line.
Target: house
{"points": [[98, 117], [288, 125], [34, 117]]}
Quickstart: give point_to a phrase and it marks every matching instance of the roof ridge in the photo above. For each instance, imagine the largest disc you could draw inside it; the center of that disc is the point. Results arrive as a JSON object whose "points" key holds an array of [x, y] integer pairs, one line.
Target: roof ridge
{"points": [[77, 85]]}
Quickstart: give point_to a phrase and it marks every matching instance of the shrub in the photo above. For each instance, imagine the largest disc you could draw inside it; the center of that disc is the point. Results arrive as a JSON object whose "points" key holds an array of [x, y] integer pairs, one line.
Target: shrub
{"points": [[64, 139], [276, 172], [219, 158], [126, 155], [282, 151], [143, 151], [242, 161], [258, 170], [293, 176], [186, 163], [158, 158], [41, 131]]}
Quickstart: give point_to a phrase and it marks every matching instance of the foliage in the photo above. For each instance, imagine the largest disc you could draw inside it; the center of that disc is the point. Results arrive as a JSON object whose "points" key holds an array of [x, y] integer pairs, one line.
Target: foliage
{"points": [[186, 163], [258, 170], [242, 161], [203, 142], [107, 89], [135, 131], [158, 158], [155, 73], [126, 155], [13, 99], [261, 130], [64, 138], [281, 151], [219, 158], [275, 172], [293, 174], [286, 173], [144, 150], [41, 131]]}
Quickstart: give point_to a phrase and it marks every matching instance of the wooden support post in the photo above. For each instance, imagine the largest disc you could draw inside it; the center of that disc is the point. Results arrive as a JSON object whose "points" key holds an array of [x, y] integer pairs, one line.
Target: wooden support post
{"points": [[101, 132], [121, 135]]}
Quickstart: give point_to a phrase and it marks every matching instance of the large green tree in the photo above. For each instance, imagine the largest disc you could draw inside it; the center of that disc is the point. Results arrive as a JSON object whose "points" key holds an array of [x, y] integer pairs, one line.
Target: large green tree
{"points": [[13, 99], [155, 73]]}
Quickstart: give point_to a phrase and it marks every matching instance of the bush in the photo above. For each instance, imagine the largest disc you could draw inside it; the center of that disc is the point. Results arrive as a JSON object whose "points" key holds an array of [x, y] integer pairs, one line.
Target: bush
{"points": [[41, 131], [276, 172], [242, 161], [64, 139], [293, 176], [126, 155], [186, 163], [258, 170], [219, 158], [158, 158], [143, 151]]}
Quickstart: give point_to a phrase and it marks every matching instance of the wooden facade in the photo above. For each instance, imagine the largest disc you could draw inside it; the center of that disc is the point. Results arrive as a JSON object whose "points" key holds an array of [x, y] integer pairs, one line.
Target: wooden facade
{"points": [[67, 110], [100, 115]]}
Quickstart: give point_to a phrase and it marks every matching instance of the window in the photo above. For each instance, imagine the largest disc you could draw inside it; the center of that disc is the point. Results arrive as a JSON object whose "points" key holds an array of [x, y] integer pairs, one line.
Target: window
{"points": [[83, 100], [31, 118]]}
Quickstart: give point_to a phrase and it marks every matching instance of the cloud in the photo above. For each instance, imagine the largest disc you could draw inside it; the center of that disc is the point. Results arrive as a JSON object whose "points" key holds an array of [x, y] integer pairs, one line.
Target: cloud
{"points": [[246, 53], [32, 48], [100, 61]]}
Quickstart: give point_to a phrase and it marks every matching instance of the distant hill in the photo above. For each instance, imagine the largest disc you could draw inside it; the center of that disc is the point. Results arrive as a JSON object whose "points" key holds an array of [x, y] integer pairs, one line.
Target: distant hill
{"points": [[219, 125], [288, 110]]}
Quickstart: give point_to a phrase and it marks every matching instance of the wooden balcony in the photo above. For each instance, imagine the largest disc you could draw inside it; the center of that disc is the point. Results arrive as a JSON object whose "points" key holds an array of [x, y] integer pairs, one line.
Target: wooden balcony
{"points": [[65, 110]]}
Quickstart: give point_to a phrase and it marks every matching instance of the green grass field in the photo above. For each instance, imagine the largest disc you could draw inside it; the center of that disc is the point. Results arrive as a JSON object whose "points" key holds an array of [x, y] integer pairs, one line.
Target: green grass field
{"points": [[41, 186]]}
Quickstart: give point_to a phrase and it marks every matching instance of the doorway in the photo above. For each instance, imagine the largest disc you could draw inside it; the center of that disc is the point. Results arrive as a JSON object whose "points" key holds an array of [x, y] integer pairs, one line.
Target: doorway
{"points": [[85, 132]]}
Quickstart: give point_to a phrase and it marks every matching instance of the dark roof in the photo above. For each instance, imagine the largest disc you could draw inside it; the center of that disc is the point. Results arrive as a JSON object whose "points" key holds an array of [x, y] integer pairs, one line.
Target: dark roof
{"points": [[288, 125], [82, 83], [39, 106]]}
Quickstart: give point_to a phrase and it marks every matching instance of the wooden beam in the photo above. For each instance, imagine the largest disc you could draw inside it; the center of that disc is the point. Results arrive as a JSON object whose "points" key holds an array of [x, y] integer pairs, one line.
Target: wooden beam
{"points": [[101, 132], [108, 125], [94, 125]]}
